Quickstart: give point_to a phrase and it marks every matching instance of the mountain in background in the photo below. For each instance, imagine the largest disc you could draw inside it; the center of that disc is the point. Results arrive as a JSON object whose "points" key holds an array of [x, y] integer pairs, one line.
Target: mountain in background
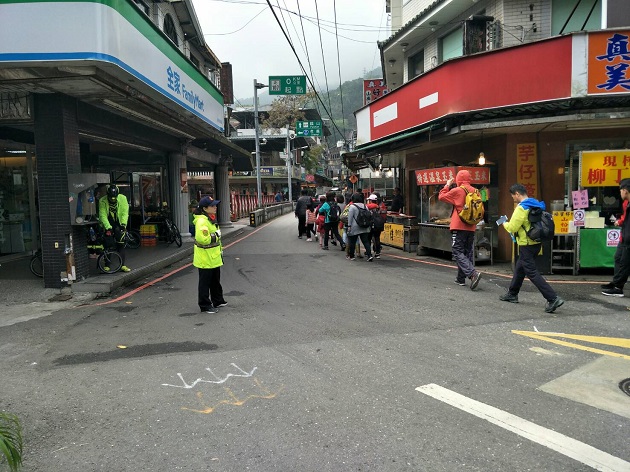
{"points": [[343, 117]]}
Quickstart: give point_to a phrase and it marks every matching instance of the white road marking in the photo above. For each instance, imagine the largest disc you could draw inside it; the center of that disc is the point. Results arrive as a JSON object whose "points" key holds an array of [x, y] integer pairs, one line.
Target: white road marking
{"points": [[577, 450]]}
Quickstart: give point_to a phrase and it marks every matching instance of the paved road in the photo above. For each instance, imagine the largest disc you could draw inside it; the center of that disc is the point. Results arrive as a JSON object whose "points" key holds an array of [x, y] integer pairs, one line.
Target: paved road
{"points": [[321, 364]]}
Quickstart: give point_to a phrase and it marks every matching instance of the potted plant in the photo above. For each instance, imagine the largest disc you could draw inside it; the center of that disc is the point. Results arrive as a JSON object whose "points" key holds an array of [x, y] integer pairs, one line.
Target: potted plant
{"points": [[11, 441]]}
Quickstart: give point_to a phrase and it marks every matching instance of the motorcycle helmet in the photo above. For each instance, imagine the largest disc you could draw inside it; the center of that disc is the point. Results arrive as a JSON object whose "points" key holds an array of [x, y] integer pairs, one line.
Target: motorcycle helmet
{"points": [[112, 193]]}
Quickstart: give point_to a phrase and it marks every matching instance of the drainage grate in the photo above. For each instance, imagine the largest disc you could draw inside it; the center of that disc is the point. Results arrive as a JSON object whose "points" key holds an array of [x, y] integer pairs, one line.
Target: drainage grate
{"points": [[624, 385]]}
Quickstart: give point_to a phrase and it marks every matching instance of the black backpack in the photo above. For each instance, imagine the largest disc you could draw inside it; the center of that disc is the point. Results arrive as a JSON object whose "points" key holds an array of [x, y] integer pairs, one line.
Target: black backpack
{"points": [[333, 213], [364, 217], [378, 220], [542, 225]]}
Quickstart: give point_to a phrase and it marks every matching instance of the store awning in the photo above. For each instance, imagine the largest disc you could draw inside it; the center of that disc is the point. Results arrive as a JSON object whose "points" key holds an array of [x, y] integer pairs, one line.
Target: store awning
{"points": [[359, 159]]}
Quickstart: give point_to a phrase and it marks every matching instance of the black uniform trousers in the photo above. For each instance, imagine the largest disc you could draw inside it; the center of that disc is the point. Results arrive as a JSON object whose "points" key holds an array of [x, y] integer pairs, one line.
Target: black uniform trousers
{"points": [[210, 292]]}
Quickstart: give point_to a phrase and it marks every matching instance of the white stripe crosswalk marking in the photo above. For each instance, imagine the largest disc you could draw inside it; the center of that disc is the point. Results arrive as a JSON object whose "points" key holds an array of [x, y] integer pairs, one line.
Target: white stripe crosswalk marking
{"points": [[577, 450]]}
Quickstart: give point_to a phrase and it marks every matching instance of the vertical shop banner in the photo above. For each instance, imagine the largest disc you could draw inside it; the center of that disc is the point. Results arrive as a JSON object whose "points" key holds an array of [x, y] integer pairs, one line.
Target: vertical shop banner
{"points": [[183, 180], [527, 167], [373, 89], [604, 168], [608, 62]]}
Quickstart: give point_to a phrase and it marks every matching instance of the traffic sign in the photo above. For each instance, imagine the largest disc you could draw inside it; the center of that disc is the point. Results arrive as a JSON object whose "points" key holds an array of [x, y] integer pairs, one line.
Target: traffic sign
{"points": [[287, 85], [308, 128]]}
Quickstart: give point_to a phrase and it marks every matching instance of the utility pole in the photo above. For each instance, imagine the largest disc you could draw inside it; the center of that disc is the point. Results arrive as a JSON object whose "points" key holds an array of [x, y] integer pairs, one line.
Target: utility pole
{"points": [[258, 183]]}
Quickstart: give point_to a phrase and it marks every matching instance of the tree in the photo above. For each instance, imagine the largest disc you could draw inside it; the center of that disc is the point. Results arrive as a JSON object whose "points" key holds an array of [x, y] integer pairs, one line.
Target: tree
{"points": [[312, 158], [287, 109]]}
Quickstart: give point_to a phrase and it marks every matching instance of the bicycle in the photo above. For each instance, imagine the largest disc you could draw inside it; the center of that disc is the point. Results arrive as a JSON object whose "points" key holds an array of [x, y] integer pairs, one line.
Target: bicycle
{"points": [[132, 239], [37, 264], [109, 261], [172, 231]]}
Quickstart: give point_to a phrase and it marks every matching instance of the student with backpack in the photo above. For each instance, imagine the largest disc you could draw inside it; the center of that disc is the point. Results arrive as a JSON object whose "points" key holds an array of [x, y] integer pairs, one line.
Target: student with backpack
{"points": [[519, 225], [332, 213], [463, 225]]}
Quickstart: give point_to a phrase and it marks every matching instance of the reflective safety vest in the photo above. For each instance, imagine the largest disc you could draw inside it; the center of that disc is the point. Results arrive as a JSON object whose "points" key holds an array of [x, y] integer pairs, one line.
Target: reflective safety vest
{"points": [[208, 250]]}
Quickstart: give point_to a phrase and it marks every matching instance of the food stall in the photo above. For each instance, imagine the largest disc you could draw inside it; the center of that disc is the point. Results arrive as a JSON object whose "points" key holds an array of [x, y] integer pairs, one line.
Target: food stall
{"points": [[433, 230], [597, 204]]}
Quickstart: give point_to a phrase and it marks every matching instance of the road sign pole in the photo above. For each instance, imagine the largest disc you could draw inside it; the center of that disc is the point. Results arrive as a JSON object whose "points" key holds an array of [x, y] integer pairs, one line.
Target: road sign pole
{"points": [[258, 182], [289, 165]]}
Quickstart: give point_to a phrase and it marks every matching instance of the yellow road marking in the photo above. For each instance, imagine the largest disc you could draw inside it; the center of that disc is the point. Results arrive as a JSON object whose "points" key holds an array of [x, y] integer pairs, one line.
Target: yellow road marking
{"points": [[551, 337]]}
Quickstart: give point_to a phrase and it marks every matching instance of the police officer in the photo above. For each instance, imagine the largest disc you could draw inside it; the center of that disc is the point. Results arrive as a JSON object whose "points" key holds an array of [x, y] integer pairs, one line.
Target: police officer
{"points": [[113, 214], [208, 256]]}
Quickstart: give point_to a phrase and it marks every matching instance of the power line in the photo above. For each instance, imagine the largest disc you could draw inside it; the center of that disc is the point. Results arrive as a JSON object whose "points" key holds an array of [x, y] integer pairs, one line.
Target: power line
{"points": [[303, 69], [321, 46], [343, 114]]}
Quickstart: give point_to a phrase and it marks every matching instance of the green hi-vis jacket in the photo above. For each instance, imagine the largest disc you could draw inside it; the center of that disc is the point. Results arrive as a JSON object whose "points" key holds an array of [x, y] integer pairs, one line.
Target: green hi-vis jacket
{"points": [[208, 248], [519, 225], [107, 218]]}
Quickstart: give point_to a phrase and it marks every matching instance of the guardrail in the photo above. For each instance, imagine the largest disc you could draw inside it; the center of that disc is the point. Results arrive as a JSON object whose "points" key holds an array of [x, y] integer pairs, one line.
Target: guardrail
{"points": [[258, 217], [243, 205]]}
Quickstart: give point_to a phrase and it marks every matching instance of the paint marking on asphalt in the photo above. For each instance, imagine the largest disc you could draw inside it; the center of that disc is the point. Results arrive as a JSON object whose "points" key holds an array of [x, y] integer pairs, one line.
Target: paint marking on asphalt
{"points": [[550, 337], [565, 445]]}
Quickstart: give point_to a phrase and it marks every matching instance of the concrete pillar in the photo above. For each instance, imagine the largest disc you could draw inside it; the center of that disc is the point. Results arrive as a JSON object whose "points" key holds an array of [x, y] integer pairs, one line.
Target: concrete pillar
{"points": [[222, 188], [58, 154], [179, 199]]}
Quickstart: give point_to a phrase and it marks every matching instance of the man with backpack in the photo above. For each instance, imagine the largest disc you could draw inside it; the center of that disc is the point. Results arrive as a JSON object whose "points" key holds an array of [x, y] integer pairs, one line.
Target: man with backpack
{"points": [[462, 232], [519, 226], [379, 216], [332, 213]]}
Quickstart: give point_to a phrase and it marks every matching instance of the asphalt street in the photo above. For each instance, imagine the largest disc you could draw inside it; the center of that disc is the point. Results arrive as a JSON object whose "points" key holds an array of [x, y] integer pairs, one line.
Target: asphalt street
{"points": [[322, 364]]}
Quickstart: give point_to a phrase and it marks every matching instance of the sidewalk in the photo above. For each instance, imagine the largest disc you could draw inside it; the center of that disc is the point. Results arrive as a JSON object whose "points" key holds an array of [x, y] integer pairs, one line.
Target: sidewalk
{"points": [[24, 295]]}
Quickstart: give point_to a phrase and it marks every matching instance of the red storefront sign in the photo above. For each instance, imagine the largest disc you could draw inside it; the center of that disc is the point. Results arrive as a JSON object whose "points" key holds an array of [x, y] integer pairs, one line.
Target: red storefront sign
{"points": [[373, 89], [439, 175]]}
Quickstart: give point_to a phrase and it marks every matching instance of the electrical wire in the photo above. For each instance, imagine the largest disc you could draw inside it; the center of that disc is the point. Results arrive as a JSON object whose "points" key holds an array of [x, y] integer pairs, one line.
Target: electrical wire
{"points": [[304, 70], [242, 27], [343, 114], [321, 45]]}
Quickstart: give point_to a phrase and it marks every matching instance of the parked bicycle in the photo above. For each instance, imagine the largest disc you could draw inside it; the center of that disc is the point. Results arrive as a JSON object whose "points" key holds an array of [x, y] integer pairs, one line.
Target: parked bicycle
{"points": [[37, 264], [171, 231]]}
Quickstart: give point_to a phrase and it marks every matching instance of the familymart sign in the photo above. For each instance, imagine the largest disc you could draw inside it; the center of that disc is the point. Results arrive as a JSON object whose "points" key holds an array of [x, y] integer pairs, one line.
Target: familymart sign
{"points": [[112, 35]]}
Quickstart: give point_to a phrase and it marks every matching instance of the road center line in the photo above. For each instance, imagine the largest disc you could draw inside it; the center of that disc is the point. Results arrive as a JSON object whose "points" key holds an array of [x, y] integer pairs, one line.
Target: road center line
{"points": [[577, 450]]}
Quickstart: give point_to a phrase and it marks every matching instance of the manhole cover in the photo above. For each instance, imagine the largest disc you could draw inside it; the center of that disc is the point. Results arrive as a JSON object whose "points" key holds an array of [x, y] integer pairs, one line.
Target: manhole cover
{"points": [[624, 385]]}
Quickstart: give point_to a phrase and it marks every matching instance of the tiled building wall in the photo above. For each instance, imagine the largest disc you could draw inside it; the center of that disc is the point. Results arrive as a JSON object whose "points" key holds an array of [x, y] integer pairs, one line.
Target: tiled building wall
{"points": [[57, 150]]}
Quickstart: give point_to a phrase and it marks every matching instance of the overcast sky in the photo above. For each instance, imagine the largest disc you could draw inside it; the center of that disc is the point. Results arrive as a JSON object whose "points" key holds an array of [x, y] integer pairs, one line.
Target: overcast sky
{"points": [[246, 34]]}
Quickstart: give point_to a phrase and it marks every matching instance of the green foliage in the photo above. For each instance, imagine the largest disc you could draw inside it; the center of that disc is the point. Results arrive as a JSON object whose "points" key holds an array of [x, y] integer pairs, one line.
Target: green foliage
{"points": [[287, 109], [10, 441], [311, 159]]}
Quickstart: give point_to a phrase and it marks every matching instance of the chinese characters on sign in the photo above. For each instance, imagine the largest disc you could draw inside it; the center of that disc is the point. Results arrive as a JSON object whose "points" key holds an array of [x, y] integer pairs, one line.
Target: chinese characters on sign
{"points": [[604, 168], [373, 89], [608, 62], [287, 85], [561, 220], [439, 176], [175, 84], [393, 235], [580, 198], [527, 167], [308, 128]]}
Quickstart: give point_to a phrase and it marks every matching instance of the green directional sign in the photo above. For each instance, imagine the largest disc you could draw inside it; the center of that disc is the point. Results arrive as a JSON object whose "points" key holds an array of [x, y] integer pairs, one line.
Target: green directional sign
{"points": [[308, 128], [287, 85]]}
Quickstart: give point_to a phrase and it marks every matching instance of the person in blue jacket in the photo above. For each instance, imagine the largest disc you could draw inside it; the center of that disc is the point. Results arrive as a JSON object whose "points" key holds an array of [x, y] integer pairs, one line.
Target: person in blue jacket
{"points": [[208, 256], [517, 226]]}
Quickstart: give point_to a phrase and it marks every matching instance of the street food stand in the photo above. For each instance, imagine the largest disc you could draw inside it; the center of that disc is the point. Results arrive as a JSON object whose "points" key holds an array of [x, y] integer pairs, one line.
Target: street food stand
{"points": [[433, 231], [596, 204]]}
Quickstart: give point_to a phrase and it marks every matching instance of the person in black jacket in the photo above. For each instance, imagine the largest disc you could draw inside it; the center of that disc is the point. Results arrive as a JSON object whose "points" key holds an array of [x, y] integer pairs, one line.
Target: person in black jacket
{"points": [[303, 203], [398, 201], [622, 255]]}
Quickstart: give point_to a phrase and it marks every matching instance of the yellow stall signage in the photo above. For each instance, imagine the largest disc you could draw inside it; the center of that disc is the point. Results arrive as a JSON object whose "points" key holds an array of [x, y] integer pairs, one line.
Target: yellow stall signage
{"points": [[393, 235], [604, 168], [561, 220]]}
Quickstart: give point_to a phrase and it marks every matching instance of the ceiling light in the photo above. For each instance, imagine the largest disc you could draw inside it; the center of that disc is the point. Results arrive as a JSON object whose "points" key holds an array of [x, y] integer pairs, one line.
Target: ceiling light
{"points": [[482, 159], [113, 142], [404, 46], [392, 62]]}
